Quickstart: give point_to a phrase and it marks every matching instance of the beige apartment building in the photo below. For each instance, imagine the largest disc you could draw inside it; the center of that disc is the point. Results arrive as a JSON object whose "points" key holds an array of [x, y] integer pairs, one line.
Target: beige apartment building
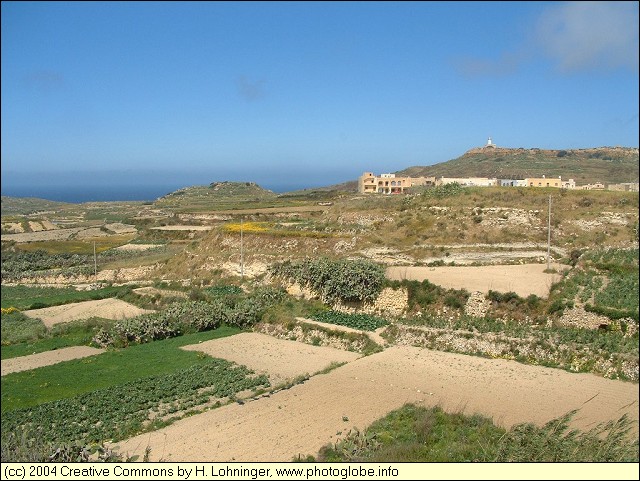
{"points": [[368, 183], [544, 182]]}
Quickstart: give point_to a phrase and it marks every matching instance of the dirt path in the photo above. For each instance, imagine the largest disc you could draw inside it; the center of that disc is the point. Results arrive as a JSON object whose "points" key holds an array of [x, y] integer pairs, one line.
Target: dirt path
{"points": [[302, 419], [106, 308], [373, 335], [266, 355], [522, 279], [33, 361]]}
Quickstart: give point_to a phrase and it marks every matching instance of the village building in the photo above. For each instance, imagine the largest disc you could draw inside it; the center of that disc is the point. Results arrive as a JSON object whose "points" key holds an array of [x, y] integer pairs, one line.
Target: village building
{"points": [[513, 183], [468, 181], [544, 182], [595, 186], [624, 187], [390, 184]]}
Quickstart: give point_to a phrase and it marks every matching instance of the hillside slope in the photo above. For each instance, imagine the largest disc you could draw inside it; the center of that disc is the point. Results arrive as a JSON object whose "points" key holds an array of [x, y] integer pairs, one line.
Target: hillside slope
{"points": [[217, 195], [29, 205], [602, 164]]}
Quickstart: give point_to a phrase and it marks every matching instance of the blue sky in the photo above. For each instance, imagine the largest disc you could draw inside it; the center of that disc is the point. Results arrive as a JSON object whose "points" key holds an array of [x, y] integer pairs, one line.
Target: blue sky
{"points": [[303, 94]]}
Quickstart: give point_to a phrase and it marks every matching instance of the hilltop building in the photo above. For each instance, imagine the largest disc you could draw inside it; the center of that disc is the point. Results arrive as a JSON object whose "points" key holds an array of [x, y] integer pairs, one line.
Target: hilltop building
{"points": [[468, 181], [390, 184], [368, 183], [543, 182]]}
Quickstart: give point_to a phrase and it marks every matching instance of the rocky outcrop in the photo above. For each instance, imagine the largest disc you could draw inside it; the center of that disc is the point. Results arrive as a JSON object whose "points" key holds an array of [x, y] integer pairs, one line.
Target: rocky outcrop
{"points": [[390, 302], [477, 305], [578, 317]]}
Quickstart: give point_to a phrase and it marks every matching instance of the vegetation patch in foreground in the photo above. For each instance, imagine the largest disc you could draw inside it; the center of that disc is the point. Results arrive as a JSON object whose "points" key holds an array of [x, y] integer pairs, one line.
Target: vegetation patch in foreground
{"points": [[22, 335], [418, 434], [334, 280], [31, 297], [130, 408], [109, 369], [363, 322]]}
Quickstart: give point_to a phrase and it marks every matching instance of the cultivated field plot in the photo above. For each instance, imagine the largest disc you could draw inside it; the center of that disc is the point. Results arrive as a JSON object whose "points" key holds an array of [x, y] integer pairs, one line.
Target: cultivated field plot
{"points": [[524, 280], [138, 247], [53, 233], [183, 227], [45, 235], [105, 308], [302, 419], [33, 361], [279, 359]]}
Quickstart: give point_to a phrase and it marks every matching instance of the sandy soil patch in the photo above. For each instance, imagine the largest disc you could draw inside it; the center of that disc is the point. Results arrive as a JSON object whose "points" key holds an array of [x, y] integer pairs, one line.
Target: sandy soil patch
{"points": [[12, 227], [302, 419], [183, 227], [523, 279], [138, 247], [120, 228], [48, 225], [36, 226], [33, 361], [46, 235], [91, 232], [279, 359], [249, 269], [106, 308]]}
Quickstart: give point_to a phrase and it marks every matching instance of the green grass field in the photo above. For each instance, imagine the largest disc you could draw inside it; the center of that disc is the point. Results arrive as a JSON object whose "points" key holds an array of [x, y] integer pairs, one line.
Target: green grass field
{"points": [[22, 336], [71, 378], [31, 297]]}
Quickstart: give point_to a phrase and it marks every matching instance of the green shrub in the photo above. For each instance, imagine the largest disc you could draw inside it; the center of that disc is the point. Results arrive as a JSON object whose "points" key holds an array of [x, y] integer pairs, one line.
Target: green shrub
{"points": [[17, 327], [453, 301], [355, 321], [335, 280]]}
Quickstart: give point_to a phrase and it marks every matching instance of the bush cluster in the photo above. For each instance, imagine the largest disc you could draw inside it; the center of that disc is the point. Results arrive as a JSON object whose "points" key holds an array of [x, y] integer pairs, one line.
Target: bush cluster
{"points": [[190, 316], [335, 280]]}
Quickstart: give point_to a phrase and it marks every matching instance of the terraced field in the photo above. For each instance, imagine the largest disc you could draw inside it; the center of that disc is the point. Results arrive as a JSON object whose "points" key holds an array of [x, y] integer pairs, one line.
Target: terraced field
{"points": [[300, 420]]}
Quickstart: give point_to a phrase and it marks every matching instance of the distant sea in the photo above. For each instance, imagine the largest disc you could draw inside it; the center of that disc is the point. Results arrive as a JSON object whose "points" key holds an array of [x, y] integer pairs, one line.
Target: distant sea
{"points": [[78, 194]]}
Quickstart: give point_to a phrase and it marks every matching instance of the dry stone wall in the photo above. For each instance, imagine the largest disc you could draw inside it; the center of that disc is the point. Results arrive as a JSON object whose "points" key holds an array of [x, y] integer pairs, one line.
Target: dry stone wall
{"points": [[477, 305]]}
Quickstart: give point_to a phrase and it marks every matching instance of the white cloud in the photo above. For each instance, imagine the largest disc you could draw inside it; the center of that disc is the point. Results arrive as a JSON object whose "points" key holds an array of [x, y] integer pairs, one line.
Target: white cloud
{"points": [[590, 35]]}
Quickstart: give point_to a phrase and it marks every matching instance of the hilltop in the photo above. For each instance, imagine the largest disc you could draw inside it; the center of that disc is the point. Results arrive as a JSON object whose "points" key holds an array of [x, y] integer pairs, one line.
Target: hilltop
{"points": [[29, 205], [601, 164], [219, 196]]}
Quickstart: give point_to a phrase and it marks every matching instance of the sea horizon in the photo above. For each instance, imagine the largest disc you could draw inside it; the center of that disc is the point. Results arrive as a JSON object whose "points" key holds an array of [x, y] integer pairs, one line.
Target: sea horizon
{"points": [[114, 193]]}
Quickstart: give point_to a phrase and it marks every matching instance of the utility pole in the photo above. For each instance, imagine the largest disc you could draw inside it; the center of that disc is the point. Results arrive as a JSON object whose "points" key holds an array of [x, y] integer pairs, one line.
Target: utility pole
{"points": [[549, 236], [241, 248], [95, 262]]}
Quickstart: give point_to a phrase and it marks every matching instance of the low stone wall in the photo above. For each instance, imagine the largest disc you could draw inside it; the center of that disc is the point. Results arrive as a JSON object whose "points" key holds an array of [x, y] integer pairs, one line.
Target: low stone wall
{"points": [[390, 302], [313, 336], [528, 350], [477, 305], [123, 274], [578, 317]]}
